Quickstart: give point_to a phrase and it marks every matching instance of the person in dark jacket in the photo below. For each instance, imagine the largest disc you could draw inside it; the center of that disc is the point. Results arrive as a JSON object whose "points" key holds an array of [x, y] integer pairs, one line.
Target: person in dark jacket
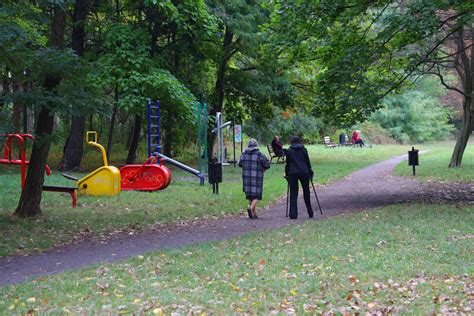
{"points": [[298, 168], [277, 146], [253, 164]]}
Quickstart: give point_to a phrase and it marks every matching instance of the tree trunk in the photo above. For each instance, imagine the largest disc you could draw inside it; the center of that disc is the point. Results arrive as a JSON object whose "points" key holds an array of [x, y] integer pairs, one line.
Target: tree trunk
{"points": [[465, 68], [73, 149], [112, 124], [30, 199], [466, 130], [132, 152], [219, 92], [29, 204], [25, 119], [17, 107]]}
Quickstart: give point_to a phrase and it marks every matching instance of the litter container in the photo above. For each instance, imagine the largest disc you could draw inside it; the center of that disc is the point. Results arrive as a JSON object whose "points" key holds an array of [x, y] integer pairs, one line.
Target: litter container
{"points": [[214, 171]]}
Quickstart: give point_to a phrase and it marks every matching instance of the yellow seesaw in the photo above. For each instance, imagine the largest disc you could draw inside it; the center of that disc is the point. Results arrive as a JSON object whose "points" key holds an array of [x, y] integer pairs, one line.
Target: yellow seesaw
{"points": [[104, 180]]}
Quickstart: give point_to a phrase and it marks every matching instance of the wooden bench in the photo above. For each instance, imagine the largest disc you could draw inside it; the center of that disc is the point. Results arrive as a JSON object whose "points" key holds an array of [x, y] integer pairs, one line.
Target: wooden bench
{"points": [[328, 143], [273, 155], [70, 190]]}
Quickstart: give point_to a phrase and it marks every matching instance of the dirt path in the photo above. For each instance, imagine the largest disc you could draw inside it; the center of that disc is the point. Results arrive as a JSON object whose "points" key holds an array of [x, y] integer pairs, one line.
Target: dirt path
{"points": [[367, 188]]}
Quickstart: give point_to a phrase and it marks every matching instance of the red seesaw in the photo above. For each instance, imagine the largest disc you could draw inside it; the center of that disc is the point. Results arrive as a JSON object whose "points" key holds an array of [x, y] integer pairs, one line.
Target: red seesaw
{"points": [[8, 160]]}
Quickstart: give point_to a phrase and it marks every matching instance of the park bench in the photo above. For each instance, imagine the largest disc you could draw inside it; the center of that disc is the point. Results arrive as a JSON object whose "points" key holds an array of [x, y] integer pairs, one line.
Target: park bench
{"points": [[279, 158], [347, 142], [328, 143], [57, 188]]}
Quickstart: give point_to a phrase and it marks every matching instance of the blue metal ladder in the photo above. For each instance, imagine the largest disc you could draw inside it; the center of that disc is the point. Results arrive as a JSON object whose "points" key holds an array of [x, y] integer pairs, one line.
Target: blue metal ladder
{"points": [[154, 131]]}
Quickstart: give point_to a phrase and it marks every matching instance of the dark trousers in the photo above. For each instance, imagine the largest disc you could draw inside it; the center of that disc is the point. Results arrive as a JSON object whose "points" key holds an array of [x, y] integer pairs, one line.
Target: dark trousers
{"points": [[360, 143], [293, 182]]}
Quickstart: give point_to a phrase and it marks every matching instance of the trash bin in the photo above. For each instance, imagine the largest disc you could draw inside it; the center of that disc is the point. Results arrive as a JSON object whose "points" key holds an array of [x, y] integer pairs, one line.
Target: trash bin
{"points": [[343, 139], [214, 171]]}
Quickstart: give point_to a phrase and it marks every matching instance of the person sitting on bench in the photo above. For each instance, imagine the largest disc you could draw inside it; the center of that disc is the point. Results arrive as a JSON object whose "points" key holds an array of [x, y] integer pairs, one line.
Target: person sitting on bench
{"points": [[277, 146], [356, 138]]}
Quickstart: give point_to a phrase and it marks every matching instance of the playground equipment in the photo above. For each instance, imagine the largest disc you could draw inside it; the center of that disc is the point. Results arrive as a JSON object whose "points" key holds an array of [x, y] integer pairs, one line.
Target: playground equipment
{"points": [[8, 154], [154, 135], [7, 159], [148, 176], [220, 139], [202, 136], [104, 180]]}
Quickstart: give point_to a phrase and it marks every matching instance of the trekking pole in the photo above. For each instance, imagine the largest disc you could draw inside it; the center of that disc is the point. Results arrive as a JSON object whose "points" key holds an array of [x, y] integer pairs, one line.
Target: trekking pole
{"points": [[317, 200], [287, 196]]}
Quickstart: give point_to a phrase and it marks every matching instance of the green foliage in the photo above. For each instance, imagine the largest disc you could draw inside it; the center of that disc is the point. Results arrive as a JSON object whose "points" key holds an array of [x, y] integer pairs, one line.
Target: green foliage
{"points": [[127, 66], [5, 123], [25, 59], [264, 129], [361, 50], [161, 84], [414, 116]]}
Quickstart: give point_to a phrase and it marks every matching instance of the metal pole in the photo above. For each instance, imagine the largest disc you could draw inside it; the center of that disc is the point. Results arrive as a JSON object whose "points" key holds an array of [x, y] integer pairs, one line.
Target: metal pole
{"points": [[317, 200], [198, 105], [206, 158], [287, 195], [233, 139]]}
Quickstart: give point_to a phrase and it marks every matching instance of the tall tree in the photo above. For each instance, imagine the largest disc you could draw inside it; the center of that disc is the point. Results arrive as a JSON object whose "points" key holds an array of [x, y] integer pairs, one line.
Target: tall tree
{"points": [[240, 60], [29, 204], [365, 50], [73, 149]]}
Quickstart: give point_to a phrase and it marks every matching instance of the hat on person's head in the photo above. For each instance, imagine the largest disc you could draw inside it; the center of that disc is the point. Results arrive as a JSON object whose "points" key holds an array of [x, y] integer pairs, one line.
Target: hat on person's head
{"points": [[295, 140], [253, 143]]}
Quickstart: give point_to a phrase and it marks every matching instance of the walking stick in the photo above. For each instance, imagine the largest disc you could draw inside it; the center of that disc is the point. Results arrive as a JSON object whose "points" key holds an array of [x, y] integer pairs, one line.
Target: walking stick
{"points": [[317, 200], [287, 196]]}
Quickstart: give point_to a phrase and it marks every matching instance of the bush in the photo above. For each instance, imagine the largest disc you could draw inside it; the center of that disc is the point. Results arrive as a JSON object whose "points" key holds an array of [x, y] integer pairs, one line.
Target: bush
{"points": [[374, 133], [415, 116], [296, 124]]}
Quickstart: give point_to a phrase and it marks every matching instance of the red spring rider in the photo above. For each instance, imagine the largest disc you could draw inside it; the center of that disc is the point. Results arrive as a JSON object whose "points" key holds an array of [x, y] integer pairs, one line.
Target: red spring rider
{"points": [[148, 176]]}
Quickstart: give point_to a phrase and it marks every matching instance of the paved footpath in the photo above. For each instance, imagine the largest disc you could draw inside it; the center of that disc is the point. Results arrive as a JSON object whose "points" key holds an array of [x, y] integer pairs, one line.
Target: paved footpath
{"points": [[366, 188]]}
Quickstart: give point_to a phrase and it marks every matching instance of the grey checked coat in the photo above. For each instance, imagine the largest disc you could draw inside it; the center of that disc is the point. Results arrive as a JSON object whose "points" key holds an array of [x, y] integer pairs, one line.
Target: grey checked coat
{"points": [[253, 164]]}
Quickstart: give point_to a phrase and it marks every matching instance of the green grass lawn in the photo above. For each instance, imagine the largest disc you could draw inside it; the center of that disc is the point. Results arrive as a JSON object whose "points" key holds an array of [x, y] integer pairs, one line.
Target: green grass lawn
{"points": [[434, 164], [410, 258], [182, 200]]}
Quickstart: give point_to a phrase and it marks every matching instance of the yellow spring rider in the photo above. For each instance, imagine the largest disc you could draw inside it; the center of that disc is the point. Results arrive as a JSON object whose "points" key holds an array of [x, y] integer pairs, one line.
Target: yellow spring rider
{"points": [[104, 180]]}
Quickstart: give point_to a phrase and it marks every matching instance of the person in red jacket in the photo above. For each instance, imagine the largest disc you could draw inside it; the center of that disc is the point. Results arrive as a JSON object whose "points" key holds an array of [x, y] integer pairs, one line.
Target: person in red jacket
{"points": [[356, 138]]}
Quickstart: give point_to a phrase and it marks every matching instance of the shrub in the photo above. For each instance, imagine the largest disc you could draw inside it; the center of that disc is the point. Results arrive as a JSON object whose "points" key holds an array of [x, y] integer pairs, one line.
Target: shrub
{"points": [[296, 124], [414, 116]]}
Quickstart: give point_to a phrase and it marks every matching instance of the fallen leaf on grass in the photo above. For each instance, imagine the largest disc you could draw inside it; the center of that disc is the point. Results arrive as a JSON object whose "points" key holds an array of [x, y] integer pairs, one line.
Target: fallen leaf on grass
{"points": [[353, 279]]}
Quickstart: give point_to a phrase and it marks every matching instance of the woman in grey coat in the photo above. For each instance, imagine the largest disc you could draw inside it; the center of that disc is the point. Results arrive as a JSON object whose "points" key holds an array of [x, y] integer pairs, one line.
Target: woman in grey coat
{"points": [[253, 164]]}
